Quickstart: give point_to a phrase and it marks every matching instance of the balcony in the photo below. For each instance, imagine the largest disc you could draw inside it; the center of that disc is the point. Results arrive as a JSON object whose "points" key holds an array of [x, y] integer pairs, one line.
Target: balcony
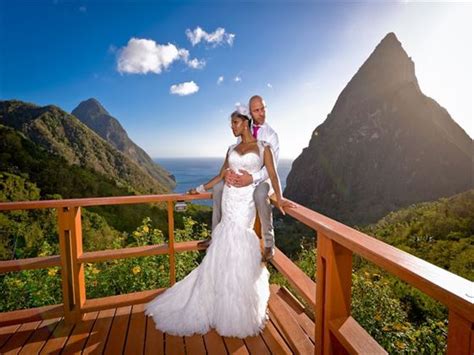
{"points": [[117, 324]]}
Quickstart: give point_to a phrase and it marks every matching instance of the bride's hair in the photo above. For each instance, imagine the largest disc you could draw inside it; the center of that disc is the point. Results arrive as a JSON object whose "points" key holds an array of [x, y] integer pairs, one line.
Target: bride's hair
{"points": [[242, 116]]}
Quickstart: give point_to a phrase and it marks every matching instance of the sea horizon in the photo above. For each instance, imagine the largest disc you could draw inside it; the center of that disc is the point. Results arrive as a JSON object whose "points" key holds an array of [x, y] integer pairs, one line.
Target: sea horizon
{"points": [[191, 172]]}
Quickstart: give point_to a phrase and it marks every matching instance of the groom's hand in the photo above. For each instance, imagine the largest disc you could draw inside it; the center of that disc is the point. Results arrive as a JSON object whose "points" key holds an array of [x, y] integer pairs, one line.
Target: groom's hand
{"points": [[229, 177], [243, 180]]}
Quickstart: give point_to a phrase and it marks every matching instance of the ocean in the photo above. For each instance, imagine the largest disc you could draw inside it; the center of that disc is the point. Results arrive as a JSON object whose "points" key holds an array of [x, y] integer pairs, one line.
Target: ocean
{"points": [[191, 172]]}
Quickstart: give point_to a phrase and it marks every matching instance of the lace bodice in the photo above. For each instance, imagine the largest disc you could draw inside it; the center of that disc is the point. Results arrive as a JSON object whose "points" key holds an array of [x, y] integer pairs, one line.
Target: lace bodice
{"points": [[251, 162]]}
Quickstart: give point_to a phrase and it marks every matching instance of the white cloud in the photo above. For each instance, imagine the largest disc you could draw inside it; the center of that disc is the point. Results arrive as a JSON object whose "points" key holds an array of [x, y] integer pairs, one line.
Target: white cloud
{"points": [[220, 80], [184, 89], [218, 37], [193, 63], [183, 54], [237, 79], [141, 56], [269, 86], [196, 64]]}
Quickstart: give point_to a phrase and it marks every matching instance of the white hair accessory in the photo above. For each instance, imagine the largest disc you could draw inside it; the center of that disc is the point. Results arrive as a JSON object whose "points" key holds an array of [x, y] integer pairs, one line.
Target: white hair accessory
{"points": [[242, 109]]}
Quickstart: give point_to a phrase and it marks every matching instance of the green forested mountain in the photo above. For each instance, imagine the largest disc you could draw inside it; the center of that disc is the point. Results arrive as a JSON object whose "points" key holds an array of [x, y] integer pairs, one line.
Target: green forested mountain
{"points": [[64, 135], [53, 177], [440, 232], [96, 117]]}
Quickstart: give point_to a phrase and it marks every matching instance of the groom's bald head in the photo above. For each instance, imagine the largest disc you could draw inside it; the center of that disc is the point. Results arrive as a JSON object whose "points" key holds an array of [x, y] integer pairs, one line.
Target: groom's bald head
{"points": [[257, 109]]}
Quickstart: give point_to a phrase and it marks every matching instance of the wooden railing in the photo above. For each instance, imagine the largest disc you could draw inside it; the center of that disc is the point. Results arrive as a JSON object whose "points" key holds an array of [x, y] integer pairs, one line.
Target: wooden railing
{"points": [[72, 258], [336, 331]]}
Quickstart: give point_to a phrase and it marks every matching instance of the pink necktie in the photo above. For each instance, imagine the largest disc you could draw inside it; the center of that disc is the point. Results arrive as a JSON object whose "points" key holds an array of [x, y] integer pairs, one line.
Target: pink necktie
{"points": [[255, 130]]}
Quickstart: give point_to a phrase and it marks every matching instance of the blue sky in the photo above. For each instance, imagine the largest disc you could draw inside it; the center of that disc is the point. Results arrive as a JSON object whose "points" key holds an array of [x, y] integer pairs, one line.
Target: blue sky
{"points": [[298, 56]]}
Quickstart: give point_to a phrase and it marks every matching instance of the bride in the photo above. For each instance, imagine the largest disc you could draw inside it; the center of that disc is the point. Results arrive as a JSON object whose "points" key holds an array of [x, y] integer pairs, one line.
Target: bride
{"points": [[229, 290]]}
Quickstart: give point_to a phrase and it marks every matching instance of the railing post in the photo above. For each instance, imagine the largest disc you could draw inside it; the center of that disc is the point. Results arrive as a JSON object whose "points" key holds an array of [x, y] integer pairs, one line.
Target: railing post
{"points": [[171, 243], [72, 271], [460, 335], [333, 291]]}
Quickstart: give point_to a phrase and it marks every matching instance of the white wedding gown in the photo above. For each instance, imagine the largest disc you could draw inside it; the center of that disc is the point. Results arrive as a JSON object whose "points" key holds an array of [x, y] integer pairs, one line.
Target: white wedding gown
{"points": [[229, 290]]}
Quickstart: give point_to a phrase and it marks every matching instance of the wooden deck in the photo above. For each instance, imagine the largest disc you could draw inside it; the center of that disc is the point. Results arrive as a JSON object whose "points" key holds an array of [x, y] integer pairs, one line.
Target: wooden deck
{"points": [[126, 330]]}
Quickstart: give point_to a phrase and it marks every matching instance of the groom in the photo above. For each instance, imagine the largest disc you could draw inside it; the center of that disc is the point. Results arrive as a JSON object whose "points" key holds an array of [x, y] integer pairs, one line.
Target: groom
{"points": [[262, 131]]}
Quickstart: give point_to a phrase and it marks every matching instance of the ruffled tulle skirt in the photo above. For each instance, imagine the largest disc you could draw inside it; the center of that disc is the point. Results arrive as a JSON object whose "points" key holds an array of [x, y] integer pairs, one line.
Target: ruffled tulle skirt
{"points": [[228, 291]]}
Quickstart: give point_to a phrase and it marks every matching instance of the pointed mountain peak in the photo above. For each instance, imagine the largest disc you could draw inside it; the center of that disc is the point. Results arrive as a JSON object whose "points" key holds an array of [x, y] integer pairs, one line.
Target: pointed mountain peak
{"points": [[91, 107], [388, 67], [390, 38], [391, 61]]}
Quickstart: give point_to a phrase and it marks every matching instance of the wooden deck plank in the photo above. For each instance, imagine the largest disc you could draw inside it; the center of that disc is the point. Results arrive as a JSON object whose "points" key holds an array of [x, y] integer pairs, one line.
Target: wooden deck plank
{"points": [[78, 338], [274, 340], [195, 344], [174, 345], [16, 342], [296, 338], [118, 331], [256, 345], [7, 331], [154, 341], [128, 330], [40, 336], [135, 342], [98, 336], [57, 340], [296, 309], [235, 345], [214, 343]]}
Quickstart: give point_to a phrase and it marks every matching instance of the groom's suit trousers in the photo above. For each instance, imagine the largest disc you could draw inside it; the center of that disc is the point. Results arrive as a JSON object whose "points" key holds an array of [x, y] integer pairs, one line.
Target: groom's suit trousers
{"points": [[262, 203]]}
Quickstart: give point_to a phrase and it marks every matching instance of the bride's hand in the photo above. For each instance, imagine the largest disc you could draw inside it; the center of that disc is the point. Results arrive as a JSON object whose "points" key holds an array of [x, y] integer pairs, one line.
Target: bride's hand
{"points": [[283, 202]]}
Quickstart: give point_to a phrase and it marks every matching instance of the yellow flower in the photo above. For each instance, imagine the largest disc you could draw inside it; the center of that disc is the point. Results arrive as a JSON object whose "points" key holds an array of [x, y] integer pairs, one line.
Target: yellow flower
{"points": [[400, 345], [136, 234], [146, 229], [95, 270], [18, 283], [378, 317], [398, 326], [136, 270], [52, 272]]}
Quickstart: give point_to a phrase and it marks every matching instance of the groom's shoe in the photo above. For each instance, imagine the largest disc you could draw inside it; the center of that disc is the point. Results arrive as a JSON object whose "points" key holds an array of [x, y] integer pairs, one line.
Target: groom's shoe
{"points": [[205, 242], [268, 253]]}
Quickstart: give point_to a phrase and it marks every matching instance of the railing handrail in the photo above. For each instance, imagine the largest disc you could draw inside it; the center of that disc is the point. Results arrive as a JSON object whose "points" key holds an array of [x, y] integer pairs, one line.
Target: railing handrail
{"points": [[99, 201]]}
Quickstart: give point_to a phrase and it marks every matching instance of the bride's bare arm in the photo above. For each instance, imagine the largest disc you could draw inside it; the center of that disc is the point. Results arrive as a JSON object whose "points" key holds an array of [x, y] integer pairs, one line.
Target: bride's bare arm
{"points": [[210, 184], [269, 163]]}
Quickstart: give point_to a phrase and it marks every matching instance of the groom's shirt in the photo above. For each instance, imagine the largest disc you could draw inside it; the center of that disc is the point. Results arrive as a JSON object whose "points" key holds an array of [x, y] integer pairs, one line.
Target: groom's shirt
{"points": [[267, 134]]}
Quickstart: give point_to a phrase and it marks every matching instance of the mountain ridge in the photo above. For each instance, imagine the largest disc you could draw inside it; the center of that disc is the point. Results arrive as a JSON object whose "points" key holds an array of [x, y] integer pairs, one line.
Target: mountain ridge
{"points": [[93, 114], [65, 135]]}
